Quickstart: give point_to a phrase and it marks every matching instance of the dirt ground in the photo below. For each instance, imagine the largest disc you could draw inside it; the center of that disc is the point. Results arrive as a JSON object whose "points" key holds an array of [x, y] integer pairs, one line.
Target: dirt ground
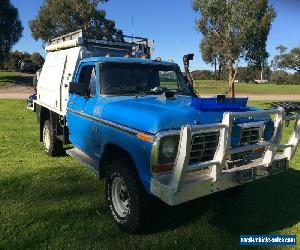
{"points": [[23, 92], [16, 92]]}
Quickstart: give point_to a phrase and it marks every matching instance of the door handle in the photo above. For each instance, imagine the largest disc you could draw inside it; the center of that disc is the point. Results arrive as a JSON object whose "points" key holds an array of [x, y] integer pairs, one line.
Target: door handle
{"points": [[94, 129], [72, 102]]}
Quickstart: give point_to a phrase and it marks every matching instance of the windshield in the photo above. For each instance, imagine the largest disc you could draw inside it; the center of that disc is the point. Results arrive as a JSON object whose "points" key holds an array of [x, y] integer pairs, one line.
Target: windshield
{"points": [[135, 79]]}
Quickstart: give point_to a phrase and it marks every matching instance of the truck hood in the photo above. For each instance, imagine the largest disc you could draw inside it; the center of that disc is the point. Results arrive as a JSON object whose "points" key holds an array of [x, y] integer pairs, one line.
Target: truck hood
{"points": [[153, 114]]}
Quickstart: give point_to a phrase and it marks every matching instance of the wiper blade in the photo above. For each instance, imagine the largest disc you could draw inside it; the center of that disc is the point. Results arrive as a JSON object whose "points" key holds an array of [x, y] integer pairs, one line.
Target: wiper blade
{"points": [[154, 92], [140, 94]]}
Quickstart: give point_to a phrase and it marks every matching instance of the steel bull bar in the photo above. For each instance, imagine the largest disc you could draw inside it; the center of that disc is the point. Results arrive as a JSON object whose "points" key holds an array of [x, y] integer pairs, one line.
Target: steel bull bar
{"points": [[181, 185]]}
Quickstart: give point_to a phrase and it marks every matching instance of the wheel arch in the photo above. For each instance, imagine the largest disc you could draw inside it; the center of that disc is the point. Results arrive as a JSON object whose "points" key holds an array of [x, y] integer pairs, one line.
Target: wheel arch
{"points": [[110, 152], [44, 115]]}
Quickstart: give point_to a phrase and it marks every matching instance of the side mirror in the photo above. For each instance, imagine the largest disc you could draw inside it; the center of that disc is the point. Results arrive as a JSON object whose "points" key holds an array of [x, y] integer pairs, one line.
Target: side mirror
{"points": [[77, 88]]}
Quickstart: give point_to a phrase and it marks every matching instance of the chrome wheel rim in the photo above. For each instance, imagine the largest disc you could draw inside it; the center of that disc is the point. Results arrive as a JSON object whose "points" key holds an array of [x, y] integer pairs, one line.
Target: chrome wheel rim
{"points": [[120, 197], [46, 137]]}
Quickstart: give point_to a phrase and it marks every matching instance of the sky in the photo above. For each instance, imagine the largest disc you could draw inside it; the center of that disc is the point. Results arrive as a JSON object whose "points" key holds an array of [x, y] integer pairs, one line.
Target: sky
{"points": [[171, 24]]}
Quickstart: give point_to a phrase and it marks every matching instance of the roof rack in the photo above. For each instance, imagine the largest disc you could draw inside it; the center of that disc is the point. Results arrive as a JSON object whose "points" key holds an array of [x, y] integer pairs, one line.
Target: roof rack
{"points": [[67, 37], [137, 45]]}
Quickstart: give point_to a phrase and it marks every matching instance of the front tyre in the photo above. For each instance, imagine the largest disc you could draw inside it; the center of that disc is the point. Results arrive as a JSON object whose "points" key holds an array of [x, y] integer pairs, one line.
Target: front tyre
{"points": [[52, 145], [126, 198]]}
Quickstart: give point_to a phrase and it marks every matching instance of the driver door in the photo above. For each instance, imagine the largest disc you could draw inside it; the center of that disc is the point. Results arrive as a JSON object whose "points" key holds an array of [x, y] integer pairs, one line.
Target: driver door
{"points": [[81, 109]]}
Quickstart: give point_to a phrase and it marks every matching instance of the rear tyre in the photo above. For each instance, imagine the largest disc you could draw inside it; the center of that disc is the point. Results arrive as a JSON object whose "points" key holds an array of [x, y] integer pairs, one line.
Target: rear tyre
{"points": [[126, 197], [52, 145]]}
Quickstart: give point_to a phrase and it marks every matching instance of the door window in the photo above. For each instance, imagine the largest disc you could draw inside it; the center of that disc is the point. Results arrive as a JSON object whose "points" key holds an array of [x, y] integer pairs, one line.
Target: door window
{"points": [[89, 79]]}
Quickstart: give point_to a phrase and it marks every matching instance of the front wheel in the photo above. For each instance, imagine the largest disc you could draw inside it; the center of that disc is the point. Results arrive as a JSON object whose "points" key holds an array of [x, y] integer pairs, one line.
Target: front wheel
{"points": [[126, 198]]}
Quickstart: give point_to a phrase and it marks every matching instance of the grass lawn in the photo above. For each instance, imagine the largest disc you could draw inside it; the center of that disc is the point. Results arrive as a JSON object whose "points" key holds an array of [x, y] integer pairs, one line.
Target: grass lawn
{"points": [[220, 87], [10, 78], [57, 203]]}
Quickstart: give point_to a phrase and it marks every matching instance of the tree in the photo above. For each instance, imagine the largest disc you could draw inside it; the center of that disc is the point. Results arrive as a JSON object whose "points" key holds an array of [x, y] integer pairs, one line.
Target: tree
{"points": [[37, 59], [211, 51], [295, 78], [12, 60], [241, 26], [251, 73], [10, 27], [287, 60], [59, 17], [279, 77], [202, 75]]}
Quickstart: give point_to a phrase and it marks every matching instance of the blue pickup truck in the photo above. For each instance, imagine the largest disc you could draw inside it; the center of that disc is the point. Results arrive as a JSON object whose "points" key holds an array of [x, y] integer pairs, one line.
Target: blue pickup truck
{"points": [[138, 123]]}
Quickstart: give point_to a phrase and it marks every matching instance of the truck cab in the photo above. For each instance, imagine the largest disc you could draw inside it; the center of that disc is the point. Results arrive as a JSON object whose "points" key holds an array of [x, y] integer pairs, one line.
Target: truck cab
{"points": [[138, 123]]}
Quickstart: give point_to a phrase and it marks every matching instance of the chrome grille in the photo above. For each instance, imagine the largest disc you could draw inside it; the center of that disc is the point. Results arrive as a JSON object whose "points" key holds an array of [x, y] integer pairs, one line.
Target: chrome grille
{"points": [[204, 147], [250, 136]]}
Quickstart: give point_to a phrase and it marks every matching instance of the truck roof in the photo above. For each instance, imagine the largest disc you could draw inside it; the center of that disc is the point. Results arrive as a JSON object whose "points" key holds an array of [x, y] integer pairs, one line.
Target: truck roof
{"points": [[128, 60]]}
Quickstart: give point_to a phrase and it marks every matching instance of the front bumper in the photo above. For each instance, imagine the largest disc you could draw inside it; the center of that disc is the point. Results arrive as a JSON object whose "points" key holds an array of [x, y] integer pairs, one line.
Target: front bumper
{"points": [[186, 182]]}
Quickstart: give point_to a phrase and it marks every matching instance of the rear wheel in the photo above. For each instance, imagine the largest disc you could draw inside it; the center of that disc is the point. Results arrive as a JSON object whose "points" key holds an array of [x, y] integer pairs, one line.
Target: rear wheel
{"points": [[126, 198], [52, 145]]}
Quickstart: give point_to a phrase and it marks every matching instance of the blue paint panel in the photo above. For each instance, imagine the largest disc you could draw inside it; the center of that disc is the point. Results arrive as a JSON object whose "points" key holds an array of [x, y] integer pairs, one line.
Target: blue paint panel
{"points": [[81, 127], [212, 103], [139, 150], [150, 114]]}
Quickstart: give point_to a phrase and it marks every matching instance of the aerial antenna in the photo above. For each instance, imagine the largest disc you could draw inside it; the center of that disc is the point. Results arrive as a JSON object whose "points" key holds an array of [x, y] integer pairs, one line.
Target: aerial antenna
{"points": [[180, 47], [132, 28]]}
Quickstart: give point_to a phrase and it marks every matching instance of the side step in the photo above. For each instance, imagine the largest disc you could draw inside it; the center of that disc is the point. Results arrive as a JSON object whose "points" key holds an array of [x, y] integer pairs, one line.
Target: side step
{"points": [[83, 158]]}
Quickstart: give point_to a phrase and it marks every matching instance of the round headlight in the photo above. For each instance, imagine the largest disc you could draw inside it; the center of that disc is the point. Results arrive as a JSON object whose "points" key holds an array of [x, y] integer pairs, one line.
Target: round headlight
{"points": [[168, 149], [269, 130]]}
